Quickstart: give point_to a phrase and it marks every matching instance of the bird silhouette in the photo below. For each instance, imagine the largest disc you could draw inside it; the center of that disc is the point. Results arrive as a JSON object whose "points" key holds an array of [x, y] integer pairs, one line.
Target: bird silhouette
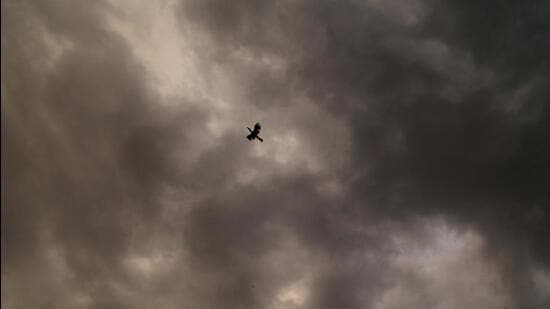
{"points": [[254, 133]]}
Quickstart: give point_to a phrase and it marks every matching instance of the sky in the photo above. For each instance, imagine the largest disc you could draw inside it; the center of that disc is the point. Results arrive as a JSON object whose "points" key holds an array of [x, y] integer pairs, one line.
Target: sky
{"points": [[404, 163]]}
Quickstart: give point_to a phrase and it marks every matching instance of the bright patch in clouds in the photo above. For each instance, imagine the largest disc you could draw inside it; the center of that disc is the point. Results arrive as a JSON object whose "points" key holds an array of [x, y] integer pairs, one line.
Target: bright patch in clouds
{"points": [[447, 271], [294, 295]]}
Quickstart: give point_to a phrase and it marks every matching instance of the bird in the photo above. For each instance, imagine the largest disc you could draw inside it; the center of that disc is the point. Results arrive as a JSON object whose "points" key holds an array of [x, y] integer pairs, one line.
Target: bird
{"points": [[254, 133]]}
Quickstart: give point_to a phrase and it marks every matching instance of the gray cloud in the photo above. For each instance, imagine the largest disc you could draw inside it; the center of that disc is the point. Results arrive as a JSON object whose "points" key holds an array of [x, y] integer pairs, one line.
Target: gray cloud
{"points": [[383, 122]]}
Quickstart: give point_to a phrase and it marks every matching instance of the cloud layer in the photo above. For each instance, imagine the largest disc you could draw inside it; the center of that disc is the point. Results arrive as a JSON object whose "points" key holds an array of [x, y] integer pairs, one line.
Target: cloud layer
{"points": [[405, 162]]}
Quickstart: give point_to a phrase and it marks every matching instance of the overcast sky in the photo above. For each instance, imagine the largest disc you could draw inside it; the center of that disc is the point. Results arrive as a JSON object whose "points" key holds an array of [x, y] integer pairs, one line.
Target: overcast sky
{"points": [[405, 161]]}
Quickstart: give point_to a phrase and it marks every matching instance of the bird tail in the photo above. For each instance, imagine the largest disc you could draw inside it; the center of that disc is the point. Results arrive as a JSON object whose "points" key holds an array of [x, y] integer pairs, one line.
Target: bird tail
{"points": [[261, 140]]}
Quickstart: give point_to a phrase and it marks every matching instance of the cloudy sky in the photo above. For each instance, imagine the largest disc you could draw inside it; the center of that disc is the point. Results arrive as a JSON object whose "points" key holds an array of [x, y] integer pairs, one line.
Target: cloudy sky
{"points": [[405, 162]]}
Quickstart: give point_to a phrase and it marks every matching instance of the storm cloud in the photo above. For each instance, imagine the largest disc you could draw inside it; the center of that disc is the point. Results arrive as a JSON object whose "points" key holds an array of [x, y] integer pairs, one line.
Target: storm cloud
{"points": [[405, 162]]}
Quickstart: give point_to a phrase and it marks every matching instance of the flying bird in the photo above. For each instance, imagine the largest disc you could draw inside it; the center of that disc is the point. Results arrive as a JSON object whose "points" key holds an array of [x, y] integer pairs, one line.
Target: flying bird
{"points": [[254, 133]]}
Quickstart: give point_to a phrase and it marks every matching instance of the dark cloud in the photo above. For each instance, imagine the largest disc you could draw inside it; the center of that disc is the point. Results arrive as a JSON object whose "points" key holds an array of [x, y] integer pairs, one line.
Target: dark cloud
{"points": [[381, 118], [479, 157], [85, 153]]}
